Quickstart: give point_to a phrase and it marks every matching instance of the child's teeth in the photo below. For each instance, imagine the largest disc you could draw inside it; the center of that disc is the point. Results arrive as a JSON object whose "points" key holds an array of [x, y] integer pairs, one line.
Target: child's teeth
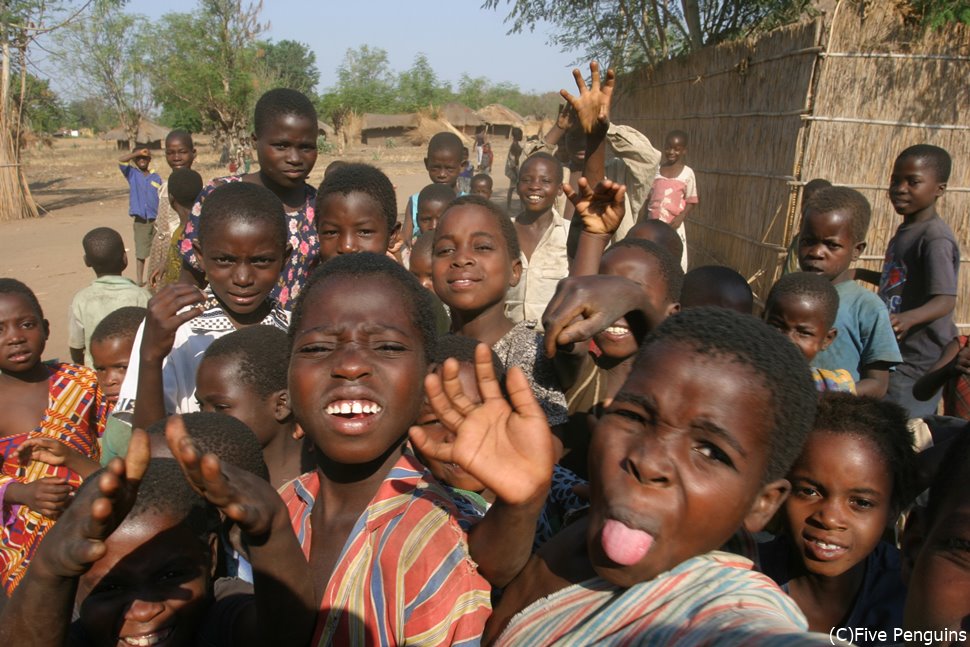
{"points": [[345, 407], [356, 408]]}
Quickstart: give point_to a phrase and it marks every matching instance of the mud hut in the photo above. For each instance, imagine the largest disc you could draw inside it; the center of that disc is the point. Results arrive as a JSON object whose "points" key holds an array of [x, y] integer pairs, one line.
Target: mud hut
{"points": [[150, 135], [377, 130], [461, 117], [499, 120]]}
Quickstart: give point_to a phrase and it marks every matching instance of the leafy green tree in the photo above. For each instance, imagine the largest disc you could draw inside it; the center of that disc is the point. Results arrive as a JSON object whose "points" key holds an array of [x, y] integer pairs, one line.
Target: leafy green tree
{"points": [[418, 87], [90, 112], [107, 55], [205, 67], [627, 33], [291, 64]]}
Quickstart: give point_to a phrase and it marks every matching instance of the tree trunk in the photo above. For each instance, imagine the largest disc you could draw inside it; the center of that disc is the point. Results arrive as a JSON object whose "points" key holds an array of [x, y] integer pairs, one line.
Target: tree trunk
{"points": [[692, 16], [15, 199]]}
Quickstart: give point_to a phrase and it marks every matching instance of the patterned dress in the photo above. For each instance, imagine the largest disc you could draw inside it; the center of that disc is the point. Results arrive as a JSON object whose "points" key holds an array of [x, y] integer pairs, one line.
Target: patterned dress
{"points": [[302, 234], [75, 416]]}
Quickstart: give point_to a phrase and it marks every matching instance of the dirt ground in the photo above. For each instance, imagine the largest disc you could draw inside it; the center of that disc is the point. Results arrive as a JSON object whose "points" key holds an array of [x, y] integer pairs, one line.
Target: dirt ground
{"points": [[78, 186]]}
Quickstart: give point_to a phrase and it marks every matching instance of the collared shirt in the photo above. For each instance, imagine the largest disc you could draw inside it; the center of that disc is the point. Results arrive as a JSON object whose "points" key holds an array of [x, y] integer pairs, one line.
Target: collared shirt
{"points": [[142, 191], [96, 301], [540, 274], [404, 575], [711, 599], [180, 366]]}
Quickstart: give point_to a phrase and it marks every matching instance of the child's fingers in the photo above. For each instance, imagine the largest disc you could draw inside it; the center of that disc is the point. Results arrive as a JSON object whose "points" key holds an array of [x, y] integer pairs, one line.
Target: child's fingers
{"points": [[570, 99], [451, 383], [138, 455], [594, 72], [184, 451], [488, 385], [441, 404], [436, 445], [580, 81], [214, 483]]}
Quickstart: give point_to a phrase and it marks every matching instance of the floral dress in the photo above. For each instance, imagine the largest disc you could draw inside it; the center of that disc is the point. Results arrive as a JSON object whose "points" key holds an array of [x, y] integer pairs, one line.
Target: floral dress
{"points": [[302, 238]]}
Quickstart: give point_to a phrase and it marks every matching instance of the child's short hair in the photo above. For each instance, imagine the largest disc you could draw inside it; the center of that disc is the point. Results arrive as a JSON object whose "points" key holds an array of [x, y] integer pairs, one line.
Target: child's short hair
{"points": [[542, 155], [184, 185], [679, 134], [702, 283], [883, 423], [482, 177], [165, 491], [13, 286], [951, 477], [835, 198], [261, 353], [281, 102], [423, 244], [226, 437], [436, 193], [670, 269], [780, 365], [661, 233], [361, 178], [462, 348], [104, 250], [366, 264], [811, 187], [937, 158], [516, 133], [182, 134], [811, 286], [121, 323], [446, 142], [505, 223], [245, 202]]}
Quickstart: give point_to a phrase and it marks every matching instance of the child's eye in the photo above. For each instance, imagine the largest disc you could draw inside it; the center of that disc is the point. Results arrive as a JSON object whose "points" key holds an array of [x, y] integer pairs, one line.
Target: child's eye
{"points": [[365, 232], [714, 453], [327, 233], [316, 349], [389, 347], [805, 491], [444, 251], [956, 543], [484, 247], [863, 504]]}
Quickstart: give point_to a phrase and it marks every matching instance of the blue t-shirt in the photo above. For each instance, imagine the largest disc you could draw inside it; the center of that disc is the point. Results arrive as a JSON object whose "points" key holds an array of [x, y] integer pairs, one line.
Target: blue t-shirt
{"points": [[878, 605], [142, 191], [865, 334]]}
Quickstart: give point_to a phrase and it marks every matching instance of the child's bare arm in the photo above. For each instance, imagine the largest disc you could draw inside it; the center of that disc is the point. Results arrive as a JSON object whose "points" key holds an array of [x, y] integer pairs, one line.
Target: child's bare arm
{"points": [[50, 451], [866, 276], [140, 152], [873, 380], [953, 362], [682, 216], [938, 306], [163, 320], [508, 448], [600, 211], [49, 496], [39, 611], [407, 227], [285, 602]]}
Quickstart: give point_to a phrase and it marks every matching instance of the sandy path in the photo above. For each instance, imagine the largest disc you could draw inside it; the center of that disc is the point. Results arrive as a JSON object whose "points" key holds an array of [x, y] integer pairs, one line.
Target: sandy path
{"points": [[78, 182]]}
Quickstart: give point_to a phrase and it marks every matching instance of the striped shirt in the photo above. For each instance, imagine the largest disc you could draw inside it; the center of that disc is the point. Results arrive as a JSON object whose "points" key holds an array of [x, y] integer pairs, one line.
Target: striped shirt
{"points": [[711, 599], [404, 575]]}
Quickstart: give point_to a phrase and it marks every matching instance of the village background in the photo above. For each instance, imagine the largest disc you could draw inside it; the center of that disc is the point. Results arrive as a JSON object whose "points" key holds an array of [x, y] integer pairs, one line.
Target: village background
{"points": [[829, 89]]}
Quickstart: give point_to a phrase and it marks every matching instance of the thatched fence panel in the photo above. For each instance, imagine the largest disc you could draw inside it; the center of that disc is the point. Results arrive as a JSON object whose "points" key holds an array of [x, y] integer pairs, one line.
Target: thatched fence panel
{"points": [[837, 98]]}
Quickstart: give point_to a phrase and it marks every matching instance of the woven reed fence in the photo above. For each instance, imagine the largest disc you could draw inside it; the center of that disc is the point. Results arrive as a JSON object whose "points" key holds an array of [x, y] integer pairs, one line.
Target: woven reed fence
{"points": [[835, 98]]}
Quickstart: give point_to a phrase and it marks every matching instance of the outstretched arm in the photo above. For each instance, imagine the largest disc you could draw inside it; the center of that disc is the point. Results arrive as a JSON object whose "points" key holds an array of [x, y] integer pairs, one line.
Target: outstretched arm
{"points": [[39, 612], [285, 602], [508, 448]]}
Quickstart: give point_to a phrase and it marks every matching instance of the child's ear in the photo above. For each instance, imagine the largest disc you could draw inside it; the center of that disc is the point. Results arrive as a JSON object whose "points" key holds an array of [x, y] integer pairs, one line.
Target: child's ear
{"points": [[87, 263], [298, 432], [671, 309], [766, 503], [829, 338], [940, 189], [281, 408], [516, 272], [124, 260], [425, 162], [47, 329], [857, 250]]}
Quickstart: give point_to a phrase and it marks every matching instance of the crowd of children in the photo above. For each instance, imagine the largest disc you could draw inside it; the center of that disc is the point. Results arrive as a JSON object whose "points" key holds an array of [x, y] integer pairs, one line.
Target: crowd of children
{"points": [[336, 424]]}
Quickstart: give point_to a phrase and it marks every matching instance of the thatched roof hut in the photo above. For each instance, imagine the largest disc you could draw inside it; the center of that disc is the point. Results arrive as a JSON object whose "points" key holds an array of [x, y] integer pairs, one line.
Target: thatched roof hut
{"points": [[377, 129], [500, 120], [461, 117], [150, 135], [326, 130]]}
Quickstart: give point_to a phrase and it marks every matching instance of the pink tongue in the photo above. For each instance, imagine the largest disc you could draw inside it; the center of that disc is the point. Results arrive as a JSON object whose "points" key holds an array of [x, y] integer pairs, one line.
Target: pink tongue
{"points": [[623, 544]]}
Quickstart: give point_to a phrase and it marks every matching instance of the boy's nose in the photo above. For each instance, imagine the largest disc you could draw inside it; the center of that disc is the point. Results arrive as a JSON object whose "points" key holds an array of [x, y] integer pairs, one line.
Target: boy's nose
{"points": [[243, 275], [144, 610], [349, 363]]}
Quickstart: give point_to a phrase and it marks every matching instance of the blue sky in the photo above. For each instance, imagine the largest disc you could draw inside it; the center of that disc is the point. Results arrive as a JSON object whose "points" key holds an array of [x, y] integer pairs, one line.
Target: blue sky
{"points": [[456, 36]]}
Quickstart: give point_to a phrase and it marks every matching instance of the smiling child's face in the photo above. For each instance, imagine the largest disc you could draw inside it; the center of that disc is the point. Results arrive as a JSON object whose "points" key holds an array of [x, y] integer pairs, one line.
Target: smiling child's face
{"points": [[471, 268], [151, 586], [618, 341], [242, 261], [179, 153], [539, 184], [23, 334], [351, 223], [677, 463], [840, 503], [357, 368]]}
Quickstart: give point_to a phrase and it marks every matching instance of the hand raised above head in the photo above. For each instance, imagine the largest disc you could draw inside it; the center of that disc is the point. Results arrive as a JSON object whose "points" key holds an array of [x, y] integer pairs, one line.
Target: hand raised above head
{"points": [[592, 106], [602, 208], [508, 447]]}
